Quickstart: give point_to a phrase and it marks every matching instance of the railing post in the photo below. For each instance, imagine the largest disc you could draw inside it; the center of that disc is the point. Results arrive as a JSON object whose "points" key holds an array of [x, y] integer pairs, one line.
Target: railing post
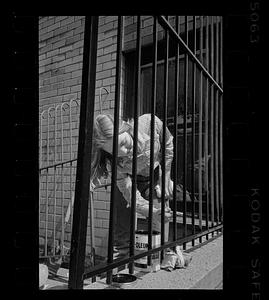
{"points": [[217, 120], [115, 149], [185, 141], [152, 130], [200, 142], [79, 229], [206, 155], [177, 22], [193, 130], [221, 120], [211, 117], [135, 137], [163, 162]]}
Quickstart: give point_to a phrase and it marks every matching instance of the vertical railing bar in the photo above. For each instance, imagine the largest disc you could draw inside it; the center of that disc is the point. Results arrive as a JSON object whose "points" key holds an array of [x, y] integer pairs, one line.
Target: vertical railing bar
{"points": [[62, 193], [211, 61], [115, 150], [47, 189], [62, 135], [215, 100], [185, 153], [92, 232], [54, 182], [193, 131], [46, 215], [200, 131], [164, 138], [221, 51], [54, 210], [71, 195], [55, 178], [39, 204], [70, 127], [135, 137], [221, 119], [217, 49], [40, 139], [206, 128], [40, 173], [79, 228], [216, 156], [214, 119], [217, 120], [211, 126], [71, 167], [152, 133], [41, 129], [177, 24], [221, 157]]}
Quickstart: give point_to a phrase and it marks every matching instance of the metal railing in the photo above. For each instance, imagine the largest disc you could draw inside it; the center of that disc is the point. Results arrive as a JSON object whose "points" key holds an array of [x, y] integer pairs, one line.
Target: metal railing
{"points": [[208, 68], [57, 167]]}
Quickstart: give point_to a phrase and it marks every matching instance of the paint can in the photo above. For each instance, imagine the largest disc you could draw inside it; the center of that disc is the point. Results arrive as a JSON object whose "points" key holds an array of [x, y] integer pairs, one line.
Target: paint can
{"points": [[141, 245], [123, 281]]}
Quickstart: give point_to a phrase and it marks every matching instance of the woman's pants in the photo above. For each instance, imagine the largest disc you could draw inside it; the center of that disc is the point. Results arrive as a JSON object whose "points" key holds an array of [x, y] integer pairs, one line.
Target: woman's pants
{"points": [[123, 217]]}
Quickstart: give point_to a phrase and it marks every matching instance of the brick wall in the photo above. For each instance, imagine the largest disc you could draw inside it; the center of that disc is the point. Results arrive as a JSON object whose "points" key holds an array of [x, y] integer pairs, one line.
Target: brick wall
{"points": [[60, 59]]}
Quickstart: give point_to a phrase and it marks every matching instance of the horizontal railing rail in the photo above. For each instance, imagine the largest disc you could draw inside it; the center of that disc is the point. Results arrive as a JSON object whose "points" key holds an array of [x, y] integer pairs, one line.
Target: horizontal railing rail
{"points": [[97, 270], [61, 163], [173, 33]]}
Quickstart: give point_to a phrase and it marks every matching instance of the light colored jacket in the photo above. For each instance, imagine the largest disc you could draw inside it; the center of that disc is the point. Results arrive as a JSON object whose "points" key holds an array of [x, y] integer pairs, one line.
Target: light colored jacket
{"points": [[143, 159]]}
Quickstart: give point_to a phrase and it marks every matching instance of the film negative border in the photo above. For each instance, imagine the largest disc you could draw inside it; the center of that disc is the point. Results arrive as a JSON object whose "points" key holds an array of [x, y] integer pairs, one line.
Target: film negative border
{"points": [[23, 92], [242, 210], [242, 155]]}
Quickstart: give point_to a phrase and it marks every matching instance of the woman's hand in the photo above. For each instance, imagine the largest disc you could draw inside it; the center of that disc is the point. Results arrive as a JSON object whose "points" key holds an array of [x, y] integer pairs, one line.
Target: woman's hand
{"points": [[169, 185], [157, 214]]}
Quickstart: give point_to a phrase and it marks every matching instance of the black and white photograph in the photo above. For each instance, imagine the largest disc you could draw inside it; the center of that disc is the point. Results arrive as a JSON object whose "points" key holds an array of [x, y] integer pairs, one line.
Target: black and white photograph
{"points": [[130, 156], [135, 152]]}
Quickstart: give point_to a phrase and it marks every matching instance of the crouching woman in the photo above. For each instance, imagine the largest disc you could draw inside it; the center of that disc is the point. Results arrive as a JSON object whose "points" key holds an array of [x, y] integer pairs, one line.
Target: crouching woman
{"points": [[102, 161]]}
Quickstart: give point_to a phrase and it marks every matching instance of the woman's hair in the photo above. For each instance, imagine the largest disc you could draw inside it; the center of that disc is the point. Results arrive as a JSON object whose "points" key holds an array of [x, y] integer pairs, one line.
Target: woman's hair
{"points": [[104, 130], [99, 163]]}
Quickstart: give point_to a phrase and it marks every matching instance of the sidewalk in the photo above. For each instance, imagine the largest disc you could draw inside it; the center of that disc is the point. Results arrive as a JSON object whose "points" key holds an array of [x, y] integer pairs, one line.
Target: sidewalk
{"points": [[204, 272]]}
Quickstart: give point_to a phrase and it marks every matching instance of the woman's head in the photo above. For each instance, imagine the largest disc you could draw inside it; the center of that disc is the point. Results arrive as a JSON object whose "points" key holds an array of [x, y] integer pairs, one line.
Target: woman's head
{"points": [[103, 135], [103, 129], [102, 149]]}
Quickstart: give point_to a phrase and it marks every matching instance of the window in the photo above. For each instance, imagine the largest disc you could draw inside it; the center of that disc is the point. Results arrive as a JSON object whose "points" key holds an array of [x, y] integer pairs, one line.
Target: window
{"points": [[146, 79], [146, 90]]}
